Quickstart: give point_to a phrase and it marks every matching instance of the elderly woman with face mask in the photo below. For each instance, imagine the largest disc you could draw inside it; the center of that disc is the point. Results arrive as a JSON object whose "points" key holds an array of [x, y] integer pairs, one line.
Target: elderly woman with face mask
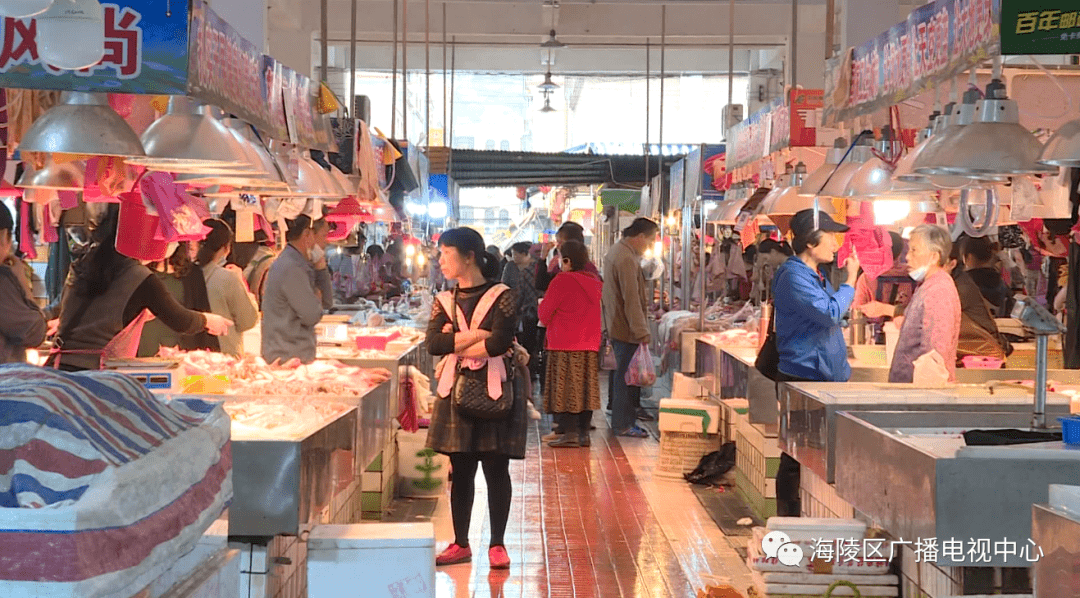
{"points": [[931, 321]]}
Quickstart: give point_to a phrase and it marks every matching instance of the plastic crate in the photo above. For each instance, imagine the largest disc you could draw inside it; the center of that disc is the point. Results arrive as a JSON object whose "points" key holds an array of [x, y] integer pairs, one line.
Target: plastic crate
{"points": [[1070, 430]]}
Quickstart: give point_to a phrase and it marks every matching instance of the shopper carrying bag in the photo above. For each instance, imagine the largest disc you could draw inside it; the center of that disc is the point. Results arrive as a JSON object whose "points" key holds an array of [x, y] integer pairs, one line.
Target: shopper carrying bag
{"points": [[473, 329]]}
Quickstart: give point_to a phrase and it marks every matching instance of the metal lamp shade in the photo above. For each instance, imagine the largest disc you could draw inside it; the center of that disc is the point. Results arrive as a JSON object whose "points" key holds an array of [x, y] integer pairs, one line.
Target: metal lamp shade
{"points": [[871, 179], [1063, 149], [994, 145], [311, 182], [67, 176], [85, 124], [186, 142], [839, 181], [812, 184], [728, 211]]}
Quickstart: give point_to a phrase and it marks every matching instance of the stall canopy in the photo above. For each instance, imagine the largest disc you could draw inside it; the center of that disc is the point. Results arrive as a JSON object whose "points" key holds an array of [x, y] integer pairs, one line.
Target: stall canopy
{"points": [[484, 168]]}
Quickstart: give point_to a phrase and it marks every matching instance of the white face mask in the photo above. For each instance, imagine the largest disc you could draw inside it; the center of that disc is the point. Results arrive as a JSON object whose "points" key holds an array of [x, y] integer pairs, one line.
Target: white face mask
{"points": [[919, 273], [317, 253]]}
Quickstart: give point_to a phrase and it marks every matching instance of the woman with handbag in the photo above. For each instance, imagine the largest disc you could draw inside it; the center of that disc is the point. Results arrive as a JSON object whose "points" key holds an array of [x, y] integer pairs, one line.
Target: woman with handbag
{"points": [[571, 311], [480, 415], [807, 341]]}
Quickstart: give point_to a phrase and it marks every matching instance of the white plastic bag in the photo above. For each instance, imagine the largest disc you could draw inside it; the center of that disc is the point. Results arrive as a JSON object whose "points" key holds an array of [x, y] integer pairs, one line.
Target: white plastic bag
{"points": [[642, 370], [930, 371]]}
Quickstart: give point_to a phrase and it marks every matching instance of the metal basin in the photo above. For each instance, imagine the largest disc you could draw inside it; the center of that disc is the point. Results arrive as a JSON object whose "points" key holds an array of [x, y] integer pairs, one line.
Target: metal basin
{"points": [[911, 474], [808, 411]]}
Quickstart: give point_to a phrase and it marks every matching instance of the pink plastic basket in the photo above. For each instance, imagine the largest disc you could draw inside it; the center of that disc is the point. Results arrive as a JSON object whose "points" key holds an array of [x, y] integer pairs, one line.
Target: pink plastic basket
{"points": [[376, 342], [978, 362]]}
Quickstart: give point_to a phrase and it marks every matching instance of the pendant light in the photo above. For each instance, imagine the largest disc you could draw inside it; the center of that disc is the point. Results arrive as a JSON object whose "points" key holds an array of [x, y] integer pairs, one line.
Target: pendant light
{"points": [[83, 123], [1063, 148], [859, 155], [184, 140], [71, 34], [547, 104], [994, 145], [552, 42], [873, 177], [813, 183], [548, 85], [23, 9], [55, 176]]}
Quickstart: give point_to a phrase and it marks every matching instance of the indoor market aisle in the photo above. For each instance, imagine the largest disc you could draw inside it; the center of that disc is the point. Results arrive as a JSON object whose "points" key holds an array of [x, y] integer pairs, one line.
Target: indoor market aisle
{"points": [[592, 522]]}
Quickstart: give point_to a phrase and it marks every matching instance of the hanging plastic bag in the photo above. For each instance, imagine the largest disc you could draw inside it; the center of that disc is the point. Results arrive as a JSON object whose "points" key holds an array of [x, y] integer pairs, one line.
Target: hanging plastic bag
{"points": [[642, 371], [930, 371]]}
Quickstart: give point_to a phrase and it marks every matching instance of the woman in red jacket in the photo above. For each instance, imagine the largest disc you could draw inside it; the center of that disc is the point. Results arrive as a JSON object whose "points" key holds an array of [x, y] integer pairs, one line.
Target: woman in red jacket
{"points": [[571, 312]]}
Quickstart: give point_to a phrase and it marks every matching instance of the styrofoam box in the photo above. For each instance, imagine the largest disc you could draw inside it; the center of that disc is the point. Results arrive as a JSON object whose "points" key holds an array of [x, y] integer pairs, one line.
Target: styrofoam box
{"points": [[678, 422], [812, 528], [372, 560]]}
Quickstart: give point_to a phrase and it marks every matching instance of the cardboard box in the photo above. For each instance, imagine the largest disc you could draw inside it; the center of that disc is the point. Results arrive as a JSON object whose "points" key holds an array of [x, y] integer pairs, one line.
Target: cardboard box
{"points": [[689, 415]]}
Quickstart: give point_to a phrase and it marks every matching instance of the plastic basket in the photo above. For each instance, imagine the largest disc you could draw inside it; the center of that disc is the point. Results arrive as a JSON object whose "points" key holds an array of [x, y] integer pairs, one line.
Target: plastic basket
{"points": [[1070, 430], [136, 231]]}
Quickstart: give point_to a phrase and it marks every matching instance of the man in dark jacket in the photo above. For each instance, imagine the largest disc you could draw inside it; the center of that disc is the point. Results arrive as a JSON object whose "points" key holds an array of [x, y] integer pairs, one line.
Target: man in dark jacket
{"points": [[979, 256], [22, 325]]}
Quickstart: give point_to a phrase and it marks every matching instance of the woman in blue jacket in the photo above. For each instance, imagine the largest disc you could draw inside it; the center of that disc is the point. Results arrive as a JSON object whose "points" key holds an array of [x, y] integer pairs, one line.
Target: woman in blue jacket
{"points": [[808, 311], [808, 314]]}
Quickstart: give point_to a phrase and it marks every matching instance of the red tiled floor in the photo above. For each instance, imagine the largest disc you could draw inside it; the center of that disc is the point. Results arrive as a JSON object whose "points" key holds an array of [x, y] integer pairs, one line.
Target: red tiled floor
{"points": [[580, 527]]}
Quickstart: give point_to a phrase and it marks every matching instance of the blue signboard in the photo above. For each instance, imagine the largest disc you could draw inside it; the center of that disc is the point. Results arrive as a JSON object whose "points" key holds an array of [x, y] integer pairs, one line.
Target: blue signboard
{"points": [[146, 52]]}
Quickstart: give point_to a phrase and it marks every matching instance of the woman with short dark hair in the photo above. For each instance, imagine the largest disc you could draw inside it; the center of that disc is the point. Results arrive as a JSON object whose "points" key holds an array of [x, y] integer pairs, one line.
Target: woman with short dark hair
{"points": [[225, 287]]}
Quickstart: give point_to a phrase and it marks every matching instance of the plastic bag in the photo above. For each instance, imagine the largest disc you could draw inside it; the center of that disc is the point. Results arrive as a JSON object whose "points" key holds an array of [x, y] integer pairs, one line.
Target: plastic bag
{"points": [[712, 468], [642, 370], [930, 371]]}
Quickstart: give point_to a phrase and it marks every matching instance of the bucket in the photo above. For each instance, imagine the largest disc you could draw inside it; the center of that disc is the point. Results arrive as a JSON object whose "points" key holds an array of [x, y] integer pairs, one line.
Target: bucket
{"points": [[136, 230], [422, 473]]}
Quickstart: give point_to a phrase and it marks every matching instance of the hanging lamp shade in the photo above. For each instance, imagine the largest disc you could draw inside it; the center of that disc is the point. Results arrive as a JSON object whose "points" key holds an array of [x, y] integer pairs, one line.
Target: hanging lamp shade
{"points": [[548, 84], [56, 176], [71, 34], [23, 9], [873, 177], [552, 42], [957, 117], [995, 144], [312, 182], [84, 124], [347, 210], [837, 185], [185, 141], [346, 184], [812, 184], [1063, 148]]}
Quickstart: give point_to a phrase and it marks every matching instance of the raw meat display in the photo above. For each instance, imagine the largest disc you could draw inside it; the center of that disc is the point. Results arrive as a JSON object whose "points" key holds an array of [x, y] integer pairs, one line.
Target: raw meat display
{"points": [[251, 375], [103, 486]]}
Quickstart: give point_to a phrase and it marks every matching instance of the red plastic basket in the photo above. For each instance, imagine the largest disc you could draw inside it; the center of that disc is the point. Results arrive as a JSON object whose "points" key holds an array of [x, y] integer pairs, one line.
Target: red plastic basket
{"points": [[136, 231]]}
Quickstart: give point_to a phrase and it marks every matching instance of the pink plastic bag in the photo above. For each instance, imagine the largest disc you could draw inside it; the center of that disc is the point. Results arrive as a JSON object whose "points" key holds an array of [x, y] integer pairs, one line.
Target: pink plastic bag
{"points": [[181, 214], [642, 370]]}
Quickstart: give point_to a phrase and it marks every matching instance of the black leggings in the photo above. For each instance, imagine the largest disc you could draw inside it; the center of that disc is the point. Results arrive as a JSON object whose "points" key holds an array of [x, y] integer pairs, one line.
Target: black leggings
{"points": [[463, 489]]}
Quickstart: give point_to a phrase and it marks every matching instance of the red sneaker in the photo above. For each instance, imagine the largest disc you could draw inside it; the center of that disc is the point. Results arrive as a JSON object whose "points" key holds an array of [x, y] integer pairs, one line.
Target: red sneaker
{"points": [[498, 558], [453, 555]]}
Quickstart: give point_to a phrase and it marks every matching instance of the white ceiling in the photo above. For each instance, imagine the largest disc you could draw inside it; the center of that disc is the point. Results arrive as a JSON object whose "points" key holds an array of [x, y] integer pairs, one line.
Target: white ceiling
{"points": [[606, 36]]}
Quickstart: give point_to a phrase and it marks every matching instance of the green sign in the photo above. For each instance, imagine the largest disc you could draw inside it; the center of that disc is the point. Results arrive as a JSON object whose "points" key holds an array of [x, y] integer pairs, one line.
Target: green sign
{"points": [[1040, 27]]}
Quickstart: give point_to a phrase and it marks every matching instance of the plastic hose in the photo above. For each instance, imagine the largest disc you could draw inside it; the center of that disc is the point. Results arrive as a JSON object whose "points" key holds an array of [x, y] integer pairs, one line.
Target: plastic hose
{"points": [[990, 216]]}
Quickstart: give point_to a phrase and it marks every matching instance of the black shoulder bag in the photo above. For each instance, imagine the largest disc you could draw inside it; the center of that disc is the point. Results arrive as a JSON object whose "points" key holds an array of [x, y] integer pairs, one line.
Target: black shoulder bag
{"points": [[768, 359], [470, 393]]}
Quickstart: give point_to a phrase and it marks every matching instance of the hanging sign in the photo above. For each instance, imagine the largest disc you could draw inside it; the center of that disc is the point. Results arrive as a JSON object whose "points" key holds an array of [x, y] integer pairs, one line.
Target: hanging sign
{"points": [[778, 125], [937, 42], [1040, 27], [145, 52], [230, 72]]}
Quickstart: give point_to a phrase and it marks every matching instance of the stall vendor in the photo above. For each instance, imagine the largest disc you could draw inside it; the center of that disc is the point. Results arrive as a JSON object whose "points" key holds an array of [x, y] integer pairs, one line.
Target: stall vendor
{"points": [[323, 281], [23, 325], [291, 305], [109, 297], [932, 320]]}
